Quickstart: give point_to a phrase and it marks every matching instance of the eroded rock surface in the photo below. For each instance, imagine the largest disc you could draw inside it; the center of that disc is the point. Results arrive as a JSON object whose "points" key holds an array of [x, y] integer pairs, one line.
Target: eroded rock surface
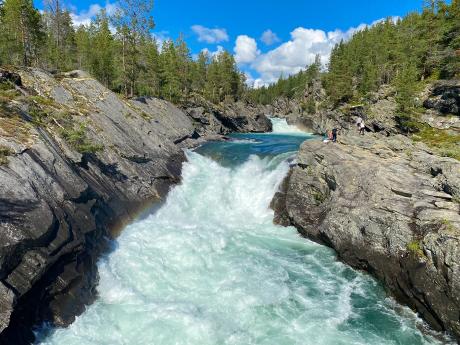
{"points": [[81, 162], [225, 118], [445, 97], [386, 206]]}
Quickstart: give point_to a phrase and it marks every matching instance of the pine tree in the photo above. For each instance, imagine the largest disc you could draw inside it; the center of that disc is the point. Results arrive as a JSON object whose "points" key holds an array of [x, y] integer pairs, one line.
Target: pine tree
{"points": [[133, 22], [22, 33], [199, 72], [60, 46], [170, 85], [406, 86], [83, 47], [149, 79], [102, 57], [183, 65]]}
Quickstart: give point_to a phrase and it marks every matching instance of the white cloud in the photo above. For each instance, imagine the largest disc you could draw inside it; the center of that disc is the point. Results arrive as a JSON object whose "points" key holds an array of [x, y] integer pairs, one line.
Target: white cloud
{"points": [[84, 16], [245, 49], [269, 37], [214, 53], [254, 82], [210, 35], [294, 55], [161, 37]]}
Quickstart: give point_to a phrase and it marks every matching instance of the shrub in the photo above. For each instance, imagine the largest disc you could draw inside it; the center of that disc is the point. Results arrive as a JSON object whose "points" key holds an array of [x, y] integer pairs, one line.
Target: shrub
{"points": [[4, 153], [77, 139], [415, 248], [442, 141]]}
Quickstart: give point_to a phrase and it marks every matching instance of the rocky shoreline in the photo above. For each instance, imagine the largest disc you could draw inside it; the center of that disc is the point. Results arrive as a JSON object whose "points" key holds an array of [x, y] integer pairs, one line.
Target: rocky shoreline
{"points": [[78, 163], [387, 205]]}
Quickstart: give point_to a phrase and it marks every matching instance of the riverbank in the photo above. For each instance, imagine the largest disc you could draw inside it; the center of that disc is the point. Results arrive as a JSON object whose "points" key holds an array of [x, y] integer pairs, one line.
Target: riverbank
{"points": [[77, 162], [386, 205], [211, 252]]}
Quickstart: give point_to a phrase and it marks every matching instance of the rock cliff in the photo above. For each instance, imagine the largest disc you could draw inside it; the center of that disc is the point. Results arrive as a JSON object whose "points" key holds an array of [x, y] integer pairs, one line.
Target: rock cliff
{"points": [[77, 162], [388, 206]]}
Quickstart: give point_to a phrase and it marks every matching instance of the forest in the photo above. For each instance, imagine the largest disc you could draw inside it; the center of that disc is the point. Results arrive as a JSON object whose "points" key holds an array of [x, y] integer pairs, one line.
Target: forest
{"points": [[405, 53], [119, 50]]}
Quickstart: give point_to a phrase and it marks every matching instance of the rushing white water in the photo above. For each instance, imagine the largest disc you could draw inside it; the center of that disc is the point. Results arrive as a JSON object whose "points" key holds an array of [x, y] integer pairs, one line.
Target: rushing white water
{"points": [[281, 126], [210, 267]]}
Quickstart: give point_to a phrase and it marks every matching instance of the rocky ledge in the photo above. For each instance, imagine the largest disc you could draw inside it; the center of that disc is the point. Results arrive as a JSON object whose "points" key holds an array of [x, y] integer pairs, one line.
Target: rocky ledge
{"points": [[76, 163], [389, 207]]}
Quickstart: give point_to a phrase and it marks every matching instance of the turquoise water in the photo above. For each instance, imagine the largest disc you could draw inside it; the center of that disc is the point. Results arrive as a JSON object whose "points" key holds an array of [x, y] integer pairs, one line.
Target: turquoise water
{"points": [[209, 267]]}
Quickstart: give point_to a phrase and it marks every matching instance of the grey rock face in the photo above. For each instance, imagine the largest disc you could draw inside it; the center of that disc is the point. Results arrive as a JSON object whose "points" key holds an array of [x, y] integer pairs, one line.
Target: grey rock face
{"points": [[58, 206], [226, 117], [445, 97], [386, 206]]}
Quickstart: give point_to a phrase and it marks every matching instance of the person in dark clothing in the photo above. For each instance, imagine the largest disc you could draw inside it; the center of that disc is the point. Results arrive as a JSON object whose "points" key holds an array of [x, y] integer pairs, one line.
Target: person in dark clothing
{"points": [[334, 135]]}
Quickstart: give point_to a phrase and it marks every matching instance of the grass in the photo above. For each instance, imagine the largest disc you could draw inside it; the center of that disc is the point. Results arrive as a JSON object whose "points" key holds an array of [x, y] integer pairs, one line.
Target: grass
{"points": [[415, 248], [8, 93], [448, 225], [42, 100], [442, 141], [4, 153], [39, 116], [15, 128], [77, 139], [318, 196], [146, 116]]}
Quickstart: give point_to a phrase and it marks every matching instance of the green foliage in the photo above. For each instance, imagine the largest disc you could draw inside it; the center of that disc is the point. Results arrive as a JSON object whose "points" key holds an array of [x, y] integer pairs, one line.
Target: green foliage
{"points": [[406, 87], [449, 226], [419, 46], [7, 92], [21, 32], [76, 137], [4, 153], [318, 196], [309, 106], [129, 61], [42, 100], [415, 248], [102, 50], [39, 116], [59, 51], [444, 142]]}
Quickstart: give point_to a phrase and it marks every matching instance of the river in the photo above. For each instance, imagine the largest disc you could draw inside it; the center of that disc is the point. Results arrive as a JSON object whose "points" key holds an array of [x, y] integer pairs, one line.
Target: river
{"points": [[210, 267]]}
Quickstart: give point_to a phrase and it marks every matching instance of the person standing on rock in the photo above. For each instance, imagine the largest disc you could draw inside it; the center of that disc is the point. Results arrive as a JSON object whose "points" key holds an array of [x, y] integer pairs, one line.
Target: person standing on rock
{"points": [[362, 127], [334, 135], [358, 122]]}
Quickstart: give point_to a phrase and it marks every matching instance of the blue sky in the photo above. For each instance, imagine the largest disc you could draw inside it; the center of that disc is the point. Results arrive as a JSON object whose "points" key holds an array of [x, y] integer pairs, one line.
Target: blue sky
{"points": [[295, 30]]}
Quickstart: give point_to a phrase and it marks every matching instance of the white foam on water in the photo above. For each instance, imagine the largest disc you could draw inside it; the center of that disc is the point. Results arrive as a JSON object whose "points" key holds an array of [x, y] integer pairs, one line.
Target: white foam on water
{"points": [[280, 126], [209, 267]]}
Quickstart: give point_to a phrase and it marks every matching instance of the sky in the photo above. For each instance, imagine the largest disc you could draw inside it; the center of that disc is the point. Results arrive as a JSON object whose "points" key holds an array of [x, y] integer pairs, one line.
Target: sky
{"points": [[268, 38]]}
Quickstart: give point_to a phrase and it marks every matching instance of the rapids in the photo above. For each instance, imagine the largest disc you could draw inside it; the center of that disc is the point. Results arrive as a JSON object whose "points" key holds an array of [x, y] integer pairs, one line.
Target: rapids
{"points": [[209, 267]]}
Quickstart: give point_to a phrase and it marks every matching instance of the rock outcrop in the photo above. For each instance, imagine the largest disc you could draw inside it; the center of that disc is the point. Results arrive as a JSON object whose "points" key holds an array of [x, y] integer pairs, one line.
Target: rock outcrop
{"points": [[445, 97], [443, 103], [387, 206], [76, 163], [227, 117]]}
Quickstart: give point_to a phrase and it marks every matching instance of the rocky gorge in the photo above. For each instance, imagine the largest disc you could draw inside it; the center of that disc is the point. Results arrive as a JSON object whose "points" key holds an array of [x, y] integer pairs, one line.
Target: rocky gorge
{"points": [[78, 162], [387, 204]]}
